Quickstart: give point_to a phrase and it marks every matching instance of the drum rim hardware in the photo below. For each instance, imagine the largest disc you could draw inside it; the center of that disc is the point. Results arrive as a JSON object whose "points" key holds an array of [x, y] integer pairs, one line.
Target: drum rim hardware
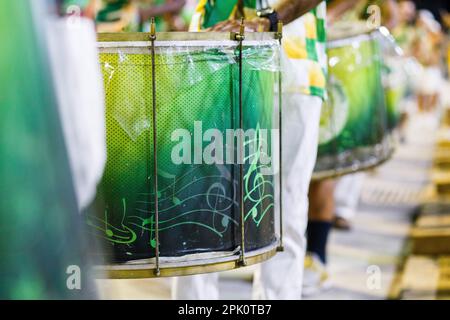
{"points": [[361, 167], [145, 270], [155, 146], [240, 37], [279, 36], [184, 36]]}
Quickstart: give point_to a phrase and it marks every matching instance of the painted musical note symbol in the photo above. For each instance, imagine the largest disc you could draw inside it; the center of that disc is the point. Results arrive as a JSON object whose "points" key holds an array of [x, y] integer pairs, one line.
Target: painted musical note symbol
{"points": [[122, 235], [150, 222], [152, 237], [254, 181], [109, 233], [176, 201], [225, 221], [214, 197], [254, 212]]}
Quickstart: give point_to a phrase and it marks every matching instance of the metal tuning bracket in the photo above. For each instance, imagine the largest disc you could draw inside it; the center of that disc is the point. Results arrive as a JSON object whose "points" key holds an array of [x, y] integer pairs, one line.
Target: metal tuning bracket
{"points": [[279, 37], [240, 37], [155, 146]]}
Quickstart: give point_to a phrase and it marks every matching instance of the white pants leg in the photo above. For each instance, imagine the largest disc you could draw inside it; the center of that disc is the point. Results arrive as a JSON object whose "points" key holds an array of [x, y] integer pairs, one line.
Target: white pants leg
{"points": [[281, 277], [347, 194], [79, 88], [198, 287]]}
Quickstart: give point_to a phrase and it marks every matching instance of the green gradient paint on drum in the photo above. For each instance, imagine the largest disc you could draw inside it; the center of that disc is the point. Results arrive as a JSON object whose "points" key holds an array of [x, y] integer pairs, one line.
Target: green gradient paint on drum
{"points": [[335, 112], [393, 100], [198, 208], [356, 66]]}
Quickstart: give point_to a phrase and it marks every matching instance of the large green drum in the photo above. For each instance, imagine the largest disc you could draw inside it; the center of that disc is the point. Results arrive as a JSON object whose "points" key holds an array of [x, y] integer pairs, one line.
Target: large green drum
{"points": [[197, 88], [354, 123]]}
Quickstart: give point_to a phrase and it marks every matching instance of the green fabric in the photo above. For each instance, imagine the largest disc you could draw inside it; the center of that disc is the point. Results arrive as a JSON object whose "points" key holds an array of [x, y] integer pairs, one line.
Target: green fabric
{"points": [[217, 11], [40, 225], [321, 30], [80, 3], [110, 8], [311, 50], [317, 91]]}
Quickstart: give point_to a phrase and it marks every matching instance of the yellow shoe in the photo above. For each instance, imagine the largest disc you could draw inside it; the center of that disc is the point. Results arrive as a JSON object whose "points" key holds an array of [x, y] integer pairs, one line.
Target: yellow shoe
{"points": [[315, 276]]}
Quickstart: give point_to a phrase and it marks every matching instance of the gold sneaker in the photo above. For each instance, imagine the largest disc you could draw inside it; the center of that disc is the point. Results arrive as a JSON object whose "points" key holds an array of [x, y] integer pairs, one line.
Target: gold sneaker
{"points": [[315, 276]]}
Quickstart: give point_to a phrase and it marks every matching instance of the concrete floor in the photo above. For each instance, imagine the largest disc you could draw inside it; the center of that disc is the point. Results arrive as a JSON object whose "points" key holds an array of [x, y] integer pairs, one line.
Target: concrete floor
{"points": [[375, 244]]}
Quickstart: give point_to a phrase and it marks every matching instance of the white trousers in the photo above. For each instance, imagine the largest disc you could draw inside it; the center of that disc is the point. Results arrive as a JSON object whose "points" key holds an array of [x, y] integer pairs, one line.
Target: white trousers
{"points": [[79, 89], [347, 194], [281, 277]]}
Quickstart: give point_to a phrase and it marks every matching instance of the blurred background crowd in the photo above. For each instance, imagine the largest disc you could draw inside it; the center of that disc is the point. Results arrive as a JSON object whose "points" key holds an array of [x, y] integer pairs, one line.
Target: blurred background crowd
{"points": [[420, 27]]}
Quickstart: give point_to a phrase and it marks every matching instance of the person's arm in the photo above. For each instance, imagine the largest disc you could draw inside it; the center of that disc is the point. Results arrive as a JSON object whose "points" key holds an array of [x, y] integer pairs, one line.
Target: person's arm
{"points": [[90, 9], [337, 8], [169, 7], [290, 10], [390, 12], [287, 10]]}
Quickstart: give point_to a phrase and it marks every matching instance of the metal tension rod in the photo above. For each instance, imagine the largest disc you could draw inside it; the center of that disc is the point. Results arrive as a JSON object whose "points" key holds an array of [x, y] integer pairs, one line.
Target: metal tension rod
{"points": [[240, 37], [279, 36], [155, 146]]}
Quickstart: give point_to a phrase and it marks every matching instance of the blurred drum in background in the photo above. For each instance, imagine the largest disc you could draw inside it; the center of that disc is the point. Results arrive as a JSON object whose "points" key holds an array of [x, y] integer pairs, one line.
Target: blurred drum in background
{"points": [[401, 76], [189, 220], [395, 85], [448, 61], [394, 76], [354, 132]]}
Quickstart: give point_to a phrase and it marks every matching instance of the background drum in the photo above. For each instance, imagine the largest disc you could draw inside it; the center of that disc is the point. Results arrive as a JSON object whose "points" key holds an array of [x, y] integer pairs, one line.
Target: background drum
{"points": [[395, 84], [353, 132], [394, 76], [197, 89]]}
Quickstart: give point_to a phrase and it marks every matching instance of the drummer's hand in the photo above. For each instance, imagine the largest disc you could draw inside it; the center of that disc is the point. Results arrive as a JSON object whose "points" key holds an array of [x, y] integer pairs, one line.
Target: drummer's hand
{"points": [[446, 18], [90, 10], [254, 25]]}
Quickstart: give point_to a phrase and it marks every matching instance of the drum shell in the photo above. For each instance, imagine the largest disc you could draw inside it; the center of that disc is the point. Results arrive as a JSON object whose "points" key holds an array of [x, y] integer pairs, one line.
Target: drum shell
{"points": [[354, 123], [395, 82], [196, 87]]}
